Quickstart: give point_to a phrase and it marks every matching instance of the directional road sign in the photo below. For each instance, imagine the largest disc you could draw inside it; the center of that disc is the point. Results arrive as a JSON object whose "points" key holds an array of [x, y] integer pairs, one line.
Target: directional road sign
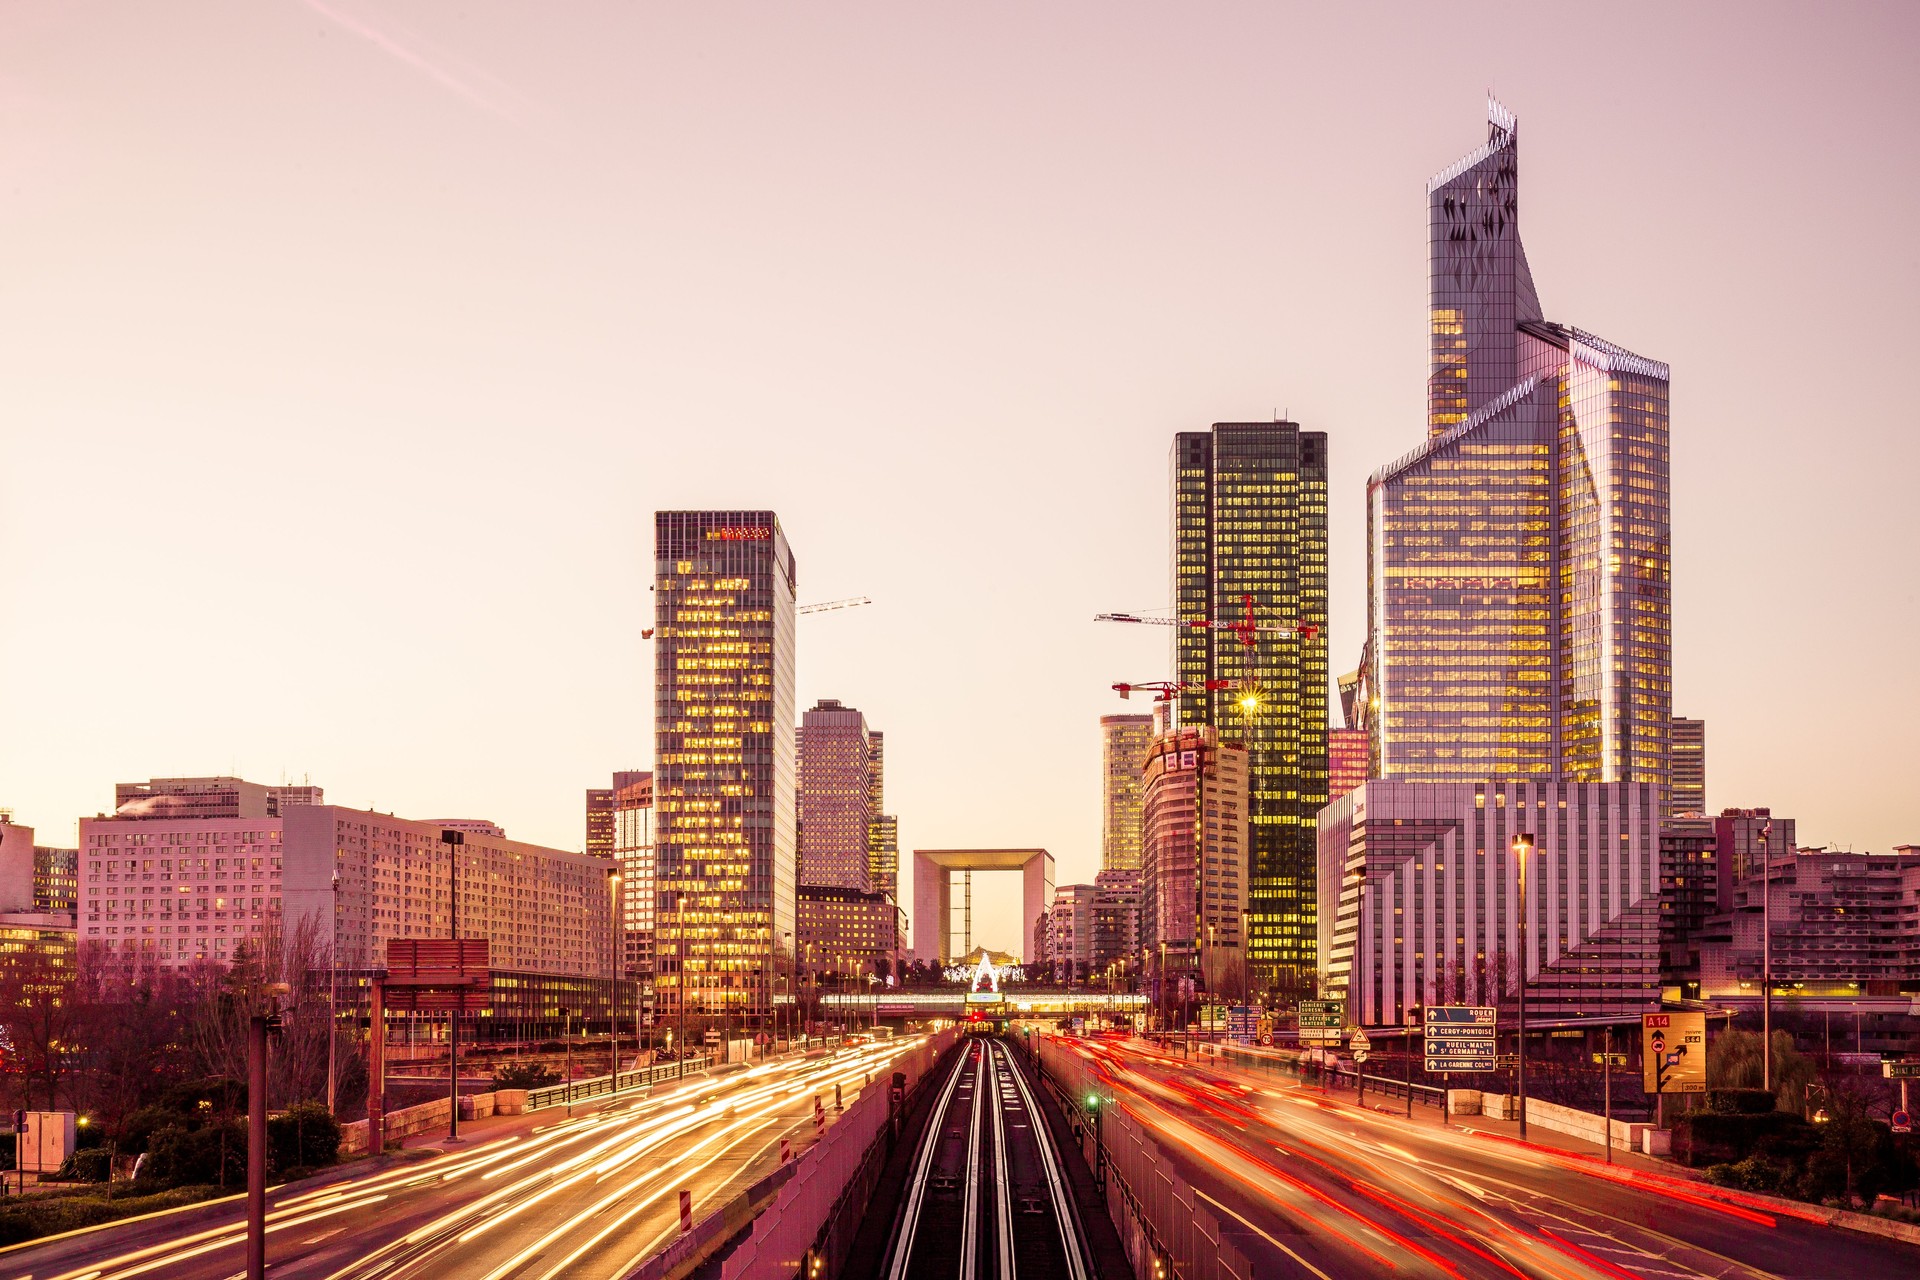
{"points": [[1460, 1037], [1673, 1056], [1321, 1020]]}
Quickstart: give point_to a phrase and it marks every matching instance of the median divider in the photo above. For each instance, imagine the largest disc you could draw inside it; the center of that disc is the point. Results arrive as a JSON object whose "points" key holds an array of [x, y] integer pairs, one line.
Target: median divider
{"points": [[1164, 1225]]}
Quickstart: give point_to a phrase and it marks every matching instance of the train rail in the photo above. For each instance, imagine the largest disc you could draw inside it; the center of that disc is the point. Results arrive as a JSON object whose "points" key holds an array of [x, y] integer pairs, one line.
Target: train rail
{"points": [[988, 1197]]}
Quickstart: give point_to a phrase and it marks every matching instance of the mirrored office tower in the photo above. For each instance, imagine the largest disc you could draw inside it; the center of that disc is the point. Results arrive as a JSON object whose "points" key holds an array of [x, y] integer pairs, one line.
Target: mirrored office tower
{"points": [[1519, 582], [1250, 524], [724, 772]]}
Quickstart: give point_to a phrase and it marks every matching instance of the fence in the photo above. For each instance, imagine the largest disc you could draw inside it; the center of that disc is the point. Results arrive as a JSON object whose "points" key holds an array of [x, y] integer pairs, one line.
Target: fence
{"points": [[1166, 1229], [822, 1202], [560, 1094]]}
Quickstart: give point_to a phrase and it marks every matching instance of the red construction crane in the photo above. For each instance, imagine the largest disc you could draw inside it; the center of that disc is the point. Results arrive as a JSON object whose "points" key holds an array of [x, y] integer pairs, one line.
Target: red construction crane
{"points": [[1167, 690], [1247, 628]]}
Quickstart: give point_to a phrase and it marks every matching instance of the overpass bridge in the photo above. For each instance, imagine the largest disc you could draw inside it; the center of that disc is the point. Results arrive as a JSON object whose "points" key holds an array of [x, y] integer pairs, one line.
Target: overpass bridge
{"points": [[958, 1002]]}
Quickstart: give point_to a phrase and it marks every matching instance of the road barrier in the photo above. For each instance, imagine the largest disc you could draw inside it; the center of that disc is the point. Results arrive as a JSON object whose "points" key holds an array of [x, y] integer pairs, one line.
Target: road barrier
{"points": [[1164, 1225], [556, 1095]]}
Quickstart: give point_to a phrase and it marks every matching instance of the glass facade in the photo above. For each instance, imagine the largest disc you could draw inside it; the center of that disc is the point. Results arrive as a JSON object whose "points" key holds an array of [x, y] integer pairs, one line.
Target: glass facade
{"points": [[1689, 755], [1421, 898], [1250, 520], [1124, 744], [1519, 575], [724, 759]]}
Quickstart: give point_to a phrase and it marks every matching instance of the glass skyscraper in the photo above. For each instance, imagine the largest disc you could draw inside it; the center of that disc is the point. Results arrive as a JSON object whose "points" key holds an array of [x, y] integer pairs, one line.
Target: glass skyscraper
{"points": [[1250, 520], [724, 769], [1519, 577]]}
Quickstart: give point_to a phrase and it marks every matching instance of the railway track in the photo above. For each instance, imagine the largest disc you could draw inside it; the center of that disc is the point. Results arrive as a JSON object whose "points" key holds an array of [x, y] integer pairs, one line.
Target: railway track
{"points": [[988, 1197]]}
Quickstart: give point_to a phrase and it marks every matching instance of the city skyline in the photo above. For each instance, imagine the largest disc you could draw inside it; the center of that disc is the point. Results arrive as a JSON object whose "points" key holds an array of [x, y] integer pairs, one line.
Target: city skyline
{"points": [[409, 510]]}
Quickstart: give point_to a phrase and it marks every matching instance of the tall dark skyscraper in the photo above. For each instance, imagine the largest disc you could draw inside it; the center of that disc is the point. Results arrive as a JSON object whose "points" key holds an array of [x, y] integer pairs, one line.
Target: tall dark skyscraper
{"points": [[724, 769], [1250, 519], [1519, 577]]}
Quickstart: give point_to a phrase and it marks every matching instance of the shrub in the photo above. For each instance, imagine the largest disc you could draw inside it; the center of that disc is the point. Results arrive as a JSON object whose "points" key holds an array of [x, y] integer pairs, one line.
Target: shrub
{"points": [[215, 1154], [306, 1135], [1755, 1173], [1712, 1137], [89, 1164], [46, 1215], [524, 1075]]}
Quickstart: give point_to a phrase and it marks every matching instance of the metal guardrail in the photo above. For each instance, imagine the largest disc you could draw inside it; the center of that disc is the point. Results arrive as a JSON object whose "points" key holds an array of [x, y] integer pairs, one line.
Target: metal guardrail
{"points": [[557, 1095]]}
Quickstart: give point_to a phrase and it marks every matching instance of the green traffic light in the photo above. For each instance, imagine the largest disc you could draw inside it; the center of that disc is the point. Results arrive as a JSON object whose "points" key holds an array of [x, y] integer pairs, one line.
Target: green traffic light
{"points": [[1093, 1102]]}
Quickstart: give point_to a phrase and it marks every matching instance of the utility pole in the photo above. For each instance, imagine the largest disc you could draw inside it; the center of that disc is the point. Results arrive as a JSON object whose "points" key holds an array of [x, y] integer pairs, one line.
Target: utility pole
{"points": [[1522, 847]]}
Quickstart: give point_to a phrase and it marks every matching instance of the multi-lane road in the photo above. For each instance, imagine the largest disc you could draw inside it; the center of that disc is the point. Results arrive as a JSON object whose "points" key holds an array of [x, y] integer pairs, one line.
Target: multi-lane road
{"points": [[585, 1197], [1308, 1185]]}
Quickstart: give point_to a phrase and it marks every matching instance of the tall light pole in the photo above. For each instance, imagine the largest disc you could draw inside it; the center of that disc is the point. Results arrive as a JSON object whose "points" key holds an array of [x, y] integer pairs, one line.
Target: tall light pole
{"points": [[1522, 849], [613, 995], [1213, 994], [1766, 955], [333, 1014], [453, 840]]}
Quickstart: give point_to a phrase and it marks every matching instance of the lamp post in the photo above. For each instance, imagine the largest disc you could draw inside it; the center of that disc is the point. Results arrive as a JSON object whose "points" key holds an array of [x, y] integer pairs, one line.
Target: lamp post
{"points": [[1213, 994], [613, 994], [1522, 849], [333, 1013], [1766, 955], [453, 840]]}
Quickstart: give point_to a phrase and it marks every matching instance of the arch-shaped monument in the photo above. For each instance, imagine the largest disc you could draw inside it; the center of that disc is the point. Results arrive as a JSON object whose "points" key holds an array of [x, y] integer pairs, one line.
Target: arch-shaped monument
{"points": [[933, 896]]}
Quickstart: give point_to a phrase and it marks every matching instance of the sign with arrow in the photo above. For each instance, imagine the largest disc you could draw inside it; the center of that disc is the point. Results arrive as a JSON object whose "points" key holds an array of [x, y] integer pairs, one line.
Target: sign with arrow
{"points": [[1674, 1052], [1460, 1037]]}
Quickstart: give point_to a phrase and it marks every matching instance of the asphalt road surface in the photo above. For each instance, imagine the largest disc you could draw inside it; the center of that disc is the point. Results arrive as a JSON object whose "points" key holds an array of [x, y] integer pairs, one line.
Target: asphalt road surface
{"points": [[586, 1198], [1307, 1185]]}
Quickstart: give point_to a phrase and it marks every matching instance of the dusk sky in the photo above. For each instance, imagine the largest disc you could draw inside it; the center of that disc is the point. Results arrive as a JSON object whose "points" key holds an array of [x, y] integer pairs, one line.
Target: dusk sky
{"points": [[345, 357]]}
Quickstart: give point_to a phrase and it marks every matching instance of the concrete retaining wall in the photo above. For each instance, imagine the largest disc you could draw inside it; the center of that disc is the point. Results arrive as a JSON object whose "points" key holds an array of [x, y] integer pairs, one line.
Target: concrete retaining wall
{"points": [[1626, 1135]]}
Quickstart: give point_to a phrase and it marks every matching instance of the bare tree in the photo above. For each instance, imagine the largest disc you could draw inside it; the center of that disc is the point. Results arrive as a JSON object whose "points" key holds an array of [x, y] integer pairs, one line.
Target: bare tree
{"points": [[40, 1018], [222, 1001]]}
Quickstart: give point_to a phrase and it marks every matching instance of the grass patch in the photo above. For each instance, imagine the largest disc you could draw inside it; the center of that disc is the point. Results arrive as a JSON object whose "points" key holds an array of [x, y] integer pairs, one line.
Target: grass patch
{"points": [[37, 1216]]}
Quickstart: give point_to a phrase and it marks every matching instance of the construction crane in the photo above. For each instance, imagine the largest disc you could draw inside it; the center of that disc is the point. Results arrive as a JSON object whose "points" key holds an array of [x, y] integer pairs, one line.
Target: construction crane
{"points": [[825, 606], [1247, 628], [1167, 690]]}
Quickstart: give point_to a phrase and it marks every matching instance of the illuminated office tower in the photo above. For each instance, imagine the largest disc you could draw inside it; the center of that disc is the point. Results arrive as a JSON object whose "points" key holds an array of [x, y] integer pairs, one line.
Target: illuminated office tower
{"points": [[631, 811], [1124, 744], [1519, 582], [836, 798], [1346, 761], [724, 770], [1250, 520], [1689, 753]]}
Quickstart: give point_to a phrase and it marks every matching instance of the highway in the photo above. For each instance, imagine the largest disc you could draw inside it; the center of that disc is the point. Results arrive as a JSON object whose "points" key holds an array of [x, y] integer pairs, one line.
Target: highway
{"points": [[587, 1197], [1307, 1185], [988, 1196]]}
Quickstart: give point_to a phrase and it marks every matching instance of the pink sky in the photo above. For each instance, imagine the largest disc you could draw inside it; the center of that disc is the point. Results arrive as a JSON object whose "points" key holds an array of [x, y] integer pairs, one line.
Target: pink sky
{"points": [[344, 360]]}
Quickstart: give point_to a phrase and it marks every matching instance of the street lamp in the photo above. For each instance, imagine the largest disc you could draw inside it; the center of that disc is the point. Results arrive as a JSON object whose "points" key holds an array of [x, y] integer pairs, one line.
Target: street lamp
{"points": [[453, 840], [1766, 956], [1522, 849], [1213, 995]]}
